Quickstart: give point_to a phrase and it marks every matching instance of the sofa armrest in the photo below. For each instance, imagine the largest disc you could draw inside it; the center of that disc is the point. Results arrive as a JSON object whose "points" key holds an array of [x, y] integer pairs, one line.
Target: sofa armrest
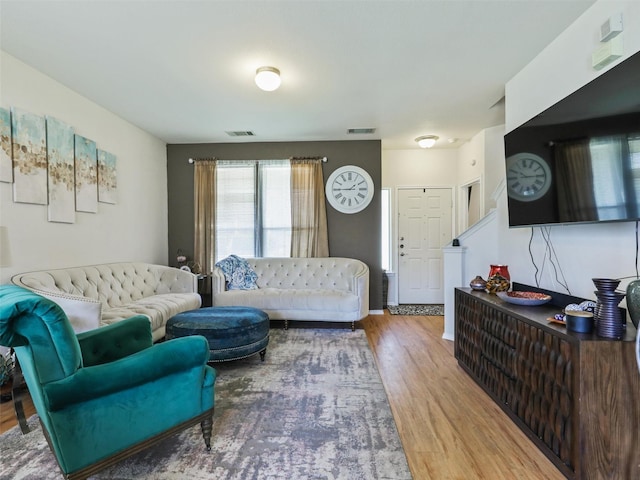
{"points": [[174, 280], [361, 289], [218, 282], [115, 341], [178, 355]]}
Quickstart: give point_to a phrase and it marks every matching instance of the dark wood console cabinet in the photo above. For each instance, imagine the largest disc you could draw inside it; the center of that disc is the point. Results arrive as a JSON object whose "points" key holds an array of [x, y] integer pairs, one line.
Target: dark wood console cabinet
{"points": [[577, 396]]}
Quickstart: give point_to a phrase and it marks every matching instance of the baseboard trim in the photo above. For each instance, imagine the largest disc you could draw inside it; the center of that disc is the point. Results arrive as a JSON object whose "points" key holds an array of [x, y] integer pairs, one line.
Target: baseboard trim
{"points": [[376, 312], [448, 336]]}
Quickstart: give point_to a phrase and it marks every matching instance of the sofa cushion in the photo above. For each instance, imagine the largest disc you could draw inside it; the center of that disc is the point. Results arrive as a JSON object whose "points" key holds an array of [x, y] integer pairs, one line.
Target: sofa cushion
{"points": [[291, 299], [159, 308]]}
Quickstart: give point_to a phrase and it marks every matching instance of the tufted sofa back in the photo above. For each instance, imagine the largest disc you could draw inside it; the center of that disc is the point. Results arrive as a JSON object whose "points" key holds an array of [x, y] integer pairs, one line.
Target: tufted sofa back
{"points": [[333, 273], [112, 284]]}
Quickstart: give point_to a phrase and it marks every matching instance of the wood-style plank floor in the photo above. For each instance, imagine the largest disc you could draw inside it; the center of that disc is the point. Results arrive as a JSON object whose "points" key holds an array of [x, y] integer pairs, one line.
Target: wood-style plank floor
{"points": [[449, 427]]}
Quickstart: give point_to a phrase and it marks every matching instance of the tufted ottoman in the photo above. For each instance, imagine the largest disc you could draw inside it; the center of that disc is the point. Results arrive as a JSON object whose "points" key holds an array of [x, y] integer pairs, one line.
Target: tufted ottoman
{"points": [[232, 332]]}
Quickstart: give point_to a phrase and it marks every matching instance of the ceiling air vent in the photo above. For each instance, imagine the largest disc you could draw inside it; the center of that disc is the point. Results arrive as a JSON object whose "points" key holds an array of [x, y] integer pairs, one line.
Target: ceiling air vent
{"points": [[361, 131], [240, 133]]}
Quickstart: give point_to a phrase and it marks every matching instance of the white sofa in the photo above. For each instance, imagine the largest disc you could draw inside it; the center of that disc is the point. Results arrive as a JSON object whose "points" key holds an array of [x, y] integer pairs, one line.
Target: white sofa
{"points": [[311, 289], [99, 295]]}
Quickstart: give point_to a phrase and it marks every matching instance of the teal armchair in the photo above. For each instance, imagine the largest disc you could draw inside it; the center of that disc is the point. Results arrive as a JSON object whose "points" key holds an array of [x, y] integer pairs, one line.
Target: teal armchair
{"points": [[109, 393]]}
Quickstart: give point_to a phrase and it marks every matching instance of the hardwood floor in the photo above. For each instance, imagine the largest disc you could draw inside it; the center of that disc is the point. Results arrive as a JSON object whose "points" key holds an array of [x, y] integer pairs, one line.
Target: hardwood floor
{"points": [[7, 413], [449, 427]]}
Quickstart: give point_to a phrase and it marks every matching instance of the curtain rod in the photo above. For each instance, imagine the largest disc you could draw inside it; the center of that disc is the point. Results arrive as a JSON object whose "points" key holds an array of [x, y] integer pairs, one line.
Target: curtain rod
{"points": [[194, 160], [324, 159]]}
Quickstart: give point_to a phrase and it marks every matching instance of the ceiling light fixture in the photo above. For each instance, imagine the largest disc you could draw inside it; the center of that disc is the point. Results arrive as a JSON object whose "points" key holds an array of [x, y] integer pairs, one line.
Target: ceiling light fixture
{"points": [[427, 141], [268, 78]]}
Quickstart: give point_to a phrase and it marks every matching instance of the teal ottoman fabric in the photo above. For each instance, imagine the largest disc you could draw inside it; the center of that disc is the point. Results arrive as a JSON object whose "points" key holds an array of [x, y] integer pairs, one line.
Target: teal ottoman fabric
{"points": [[232, 332]]}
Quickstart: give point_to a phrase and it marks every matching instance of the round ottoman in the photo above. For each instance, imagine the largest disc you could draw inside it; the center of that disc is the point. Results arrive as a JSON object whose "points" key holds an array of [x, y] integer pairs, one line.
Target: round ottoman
{"points": [[232, 332]]}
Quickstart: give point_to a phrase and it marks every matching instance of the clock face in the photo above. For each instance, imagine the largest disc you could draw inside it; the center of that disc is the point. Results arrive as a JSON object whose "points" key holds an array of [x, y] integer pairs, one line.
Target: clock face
{"points": [[528, 177], [349, 189]]}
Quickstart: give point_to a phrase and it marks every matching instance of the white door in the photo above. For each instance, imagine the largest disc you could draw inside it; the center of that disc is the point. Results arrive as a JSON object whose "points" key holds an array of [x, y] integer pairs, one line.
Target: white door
{"points": [[424, 227]]}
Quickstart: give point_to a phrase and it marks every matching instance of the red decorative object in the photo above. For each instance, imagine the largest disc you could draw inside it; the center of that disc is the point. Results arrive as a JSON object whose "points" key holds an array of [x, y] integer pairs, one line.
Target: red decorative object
{"points": [[502, 270]]}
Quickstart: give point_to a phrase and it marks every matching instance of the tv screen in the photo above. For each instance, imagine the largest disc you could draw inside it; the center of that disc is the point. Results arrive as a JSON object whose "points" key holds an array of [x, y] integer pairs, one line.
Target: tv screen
{"points": [[579, 160]]}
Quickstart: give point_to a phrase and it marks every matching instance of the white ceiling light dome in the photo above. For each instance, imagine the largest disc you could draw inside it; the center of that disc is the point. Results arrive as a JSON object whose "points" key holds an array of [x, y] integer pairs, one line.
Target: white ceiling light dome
{"points": [[268, 78], [427, 141]]}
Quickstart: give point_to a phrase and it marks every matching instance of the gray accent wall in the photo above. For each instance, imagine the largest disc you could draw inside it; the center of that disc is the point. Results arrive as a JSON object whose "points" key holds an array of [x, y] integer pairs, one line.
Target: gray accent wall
{"points": [[354, 236]]}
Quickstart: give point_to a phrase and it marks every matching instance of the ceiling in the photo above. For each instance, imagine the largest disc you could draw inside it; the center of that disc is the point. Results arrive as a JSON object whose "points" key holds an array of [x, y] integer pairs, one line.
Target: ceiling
{"points": [[183, 69]]}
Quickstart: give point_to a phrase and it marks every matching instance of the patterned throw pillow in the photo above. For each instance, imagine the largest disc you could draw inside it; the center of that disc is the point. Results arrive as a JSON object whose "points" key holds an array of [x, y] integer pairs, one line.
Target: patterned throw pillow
{"points": [[238, 273]]}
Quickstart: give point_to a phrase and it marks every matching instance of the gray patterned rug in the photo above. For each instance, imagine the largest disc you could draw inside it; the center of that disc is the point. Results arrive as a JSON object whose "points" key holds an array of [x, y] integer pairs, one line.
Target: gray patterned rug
{"points": [[433, 309], [315, 409]]}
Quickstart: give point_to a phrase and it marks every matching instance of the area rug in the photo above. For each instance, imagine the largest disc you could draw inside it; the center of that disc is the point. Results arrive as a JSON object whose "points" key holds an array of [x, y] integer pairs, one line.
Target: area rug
{"points": [[314, 410], [416, 309]]}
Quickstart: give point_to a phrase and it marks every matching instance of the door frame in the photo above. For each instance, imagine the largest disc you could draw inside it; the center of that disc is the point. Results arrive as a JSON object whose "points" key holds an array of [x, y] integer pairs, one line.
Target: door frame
{"points": [[395, 221]]}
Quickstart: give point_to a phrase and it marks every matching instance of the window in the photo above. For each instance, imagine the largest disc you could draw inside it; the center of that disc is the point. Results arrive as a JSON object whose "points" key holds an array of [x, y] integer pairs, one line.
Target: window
{"points": [[385, 199], [253, 209]]}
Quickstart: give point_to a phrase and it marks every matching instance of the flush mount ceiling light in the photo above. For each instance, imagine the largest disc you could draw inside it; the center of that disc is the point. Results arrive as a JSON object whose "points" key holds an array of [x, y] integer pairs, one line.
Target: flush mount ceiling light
{"points": [[427, 141], [268, 78]]}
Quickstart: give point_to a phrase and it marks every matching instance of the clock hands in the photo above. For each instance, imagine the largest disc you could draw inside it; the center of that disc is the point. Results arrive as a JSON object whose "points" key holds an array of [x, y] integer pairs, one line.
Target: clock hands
{"points": [[532, 176]]}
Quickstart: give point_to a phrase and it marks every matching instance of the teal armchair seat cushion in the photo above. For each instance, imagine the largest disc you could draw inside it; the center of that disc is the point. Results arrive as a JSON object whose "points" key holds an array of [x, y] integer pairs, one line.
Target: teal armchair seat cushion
{"points": [[104, 392]]}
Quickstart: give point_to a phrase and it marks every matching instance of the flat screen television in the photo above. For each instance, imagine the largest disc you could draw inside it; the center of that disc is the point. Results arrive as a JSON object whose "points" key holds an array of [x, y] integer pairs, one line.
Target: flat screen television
{"points": [[579, 160]]}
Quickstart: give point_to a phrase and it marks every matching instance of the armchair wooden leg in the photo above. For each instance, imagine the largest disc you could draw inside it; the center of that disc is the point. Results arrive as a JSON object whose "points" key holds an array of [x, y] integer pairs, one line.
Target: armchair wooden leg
{"points": [[207, 426], [17, 393]]}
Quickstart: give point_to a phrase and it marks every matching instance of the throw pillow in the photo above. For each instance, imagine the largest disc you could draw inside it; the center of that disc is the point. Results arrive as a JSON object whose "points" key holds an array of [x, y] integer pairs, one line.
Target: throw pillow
{"points": [[238, 273]]}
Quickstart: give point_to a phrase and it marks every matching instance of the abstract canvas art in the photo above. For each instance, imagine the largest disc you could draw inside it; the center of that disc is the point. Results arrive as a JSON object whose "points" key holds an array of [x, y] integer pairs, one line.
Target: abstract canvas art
{"points": [[6, 168], [107, 179], [61, 171], [86, 175], [29, 151]]}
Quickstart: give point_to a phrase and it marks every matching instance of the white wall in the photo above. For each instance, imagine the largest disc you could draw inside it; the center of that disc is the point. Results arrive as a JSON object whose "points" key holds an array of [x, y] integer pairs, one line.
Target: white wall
{"points": [[419, 168], [471, 160], [584, 251], [482, 158], [494, 167], [134, 229]]}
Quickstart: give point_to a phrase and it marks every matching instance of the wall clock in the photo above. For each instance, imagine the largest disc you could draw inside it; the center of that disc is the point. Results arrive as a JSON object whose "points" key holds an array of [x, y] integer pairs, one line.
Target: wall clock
{"points": [[528, 177], [349, 189]]}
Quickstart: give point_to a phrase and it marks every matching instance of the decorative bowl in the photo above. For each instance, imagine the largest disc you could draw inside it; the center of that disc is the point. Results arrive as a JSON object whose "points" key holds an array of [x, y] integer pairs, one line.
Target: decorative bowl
{"points": [[524, 298]]}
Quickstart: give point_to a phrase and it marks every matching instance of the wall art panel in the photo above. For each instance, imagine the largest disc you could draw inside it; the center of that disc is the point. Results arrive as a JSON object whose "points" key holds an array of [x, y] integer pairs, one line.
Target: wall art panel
{"points": [[29, 157], [86, 175], [107, 178], [6, 167], [60, 155]]}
